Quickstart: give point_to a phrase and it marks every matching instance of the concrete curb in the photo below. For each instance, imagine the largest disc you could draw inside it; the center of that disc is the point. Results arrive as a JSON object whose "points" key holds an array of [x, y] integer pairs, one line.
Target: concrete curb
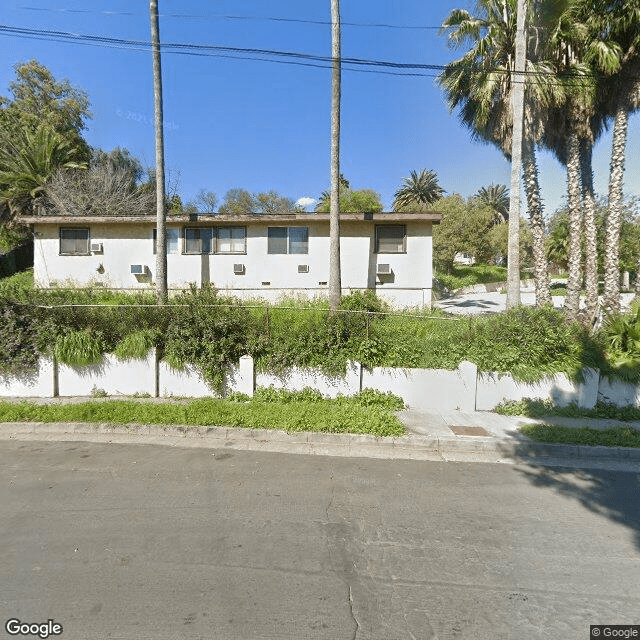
{"points": [[408, 447]]}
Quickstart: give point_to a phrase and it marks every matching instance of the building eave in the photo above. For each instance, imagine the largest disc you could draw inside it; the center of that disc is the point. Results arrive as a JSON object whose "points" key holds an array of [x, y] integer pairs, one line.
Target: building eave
{"points": [[209, 218]]}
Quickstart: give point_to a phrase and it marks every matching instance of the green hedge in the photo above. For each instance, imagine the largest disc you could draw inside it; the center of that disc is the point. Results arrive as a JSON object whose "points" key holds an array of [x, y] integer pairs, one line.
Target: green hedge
{"points": [[210, 331]]}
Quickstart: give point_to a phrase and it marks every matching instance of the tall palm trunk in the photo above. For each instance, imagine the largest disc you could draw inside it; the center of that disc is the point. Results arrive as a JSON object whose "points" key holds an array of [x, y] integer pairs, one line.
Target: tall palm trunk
{"points": [[536, 220], [614, 216], [590, 231], [161, 222], [335, 285], [517, 83], [574, 279]]}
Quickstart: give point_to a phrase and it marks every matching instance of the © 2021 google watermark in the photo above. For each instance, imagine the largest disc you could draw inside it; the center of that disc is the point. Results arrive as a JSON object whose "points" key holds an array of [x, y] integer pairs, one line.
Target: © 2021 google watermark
{"points": [[15, 627]]}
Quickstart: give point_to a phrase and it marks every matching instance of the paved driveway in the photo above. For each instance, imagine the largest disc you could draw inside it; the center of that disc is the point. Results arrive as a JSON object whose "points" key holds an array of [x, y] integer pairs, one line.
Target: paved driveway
{"points": [[495, 302]]}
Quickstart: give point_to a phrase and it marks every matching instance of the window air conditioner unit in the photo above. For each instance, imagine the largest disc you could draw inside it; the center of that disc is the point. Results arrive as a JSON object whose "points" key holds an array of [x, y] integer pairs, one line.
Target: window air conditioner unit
{"points": [[303, 268], [96, 247], [383, 270], [138, 269], [238, 268]]}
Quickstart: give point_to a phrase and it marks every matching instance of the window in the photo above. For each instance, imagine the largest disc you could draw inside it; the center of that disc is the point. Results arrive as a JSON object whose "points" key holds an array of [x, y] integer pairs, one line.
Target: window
{"points": [[288, 240], [391, 238], [197, 240], [298, 240], [74, 242], [231, 240], [215, 240], [172, 240]]}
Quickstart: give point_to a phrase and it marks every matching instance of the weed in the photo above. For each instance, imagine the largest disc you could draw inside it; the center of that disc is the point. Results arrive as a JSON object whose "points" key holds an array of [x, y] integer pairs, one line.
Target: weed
{"points": [[616, 437]]}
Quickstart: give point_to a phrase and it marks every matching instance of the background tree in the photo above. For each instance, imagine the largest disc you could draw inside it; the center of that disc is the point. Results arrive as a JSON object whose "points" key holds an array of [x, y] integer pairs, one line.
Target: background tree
{"points": [[418, 191], [464, 228], [238, 202], [496, 197], [41, 125], [205, 201], [28, 161], [111, 186], [351, 200], [272, 203], [39, 98]]}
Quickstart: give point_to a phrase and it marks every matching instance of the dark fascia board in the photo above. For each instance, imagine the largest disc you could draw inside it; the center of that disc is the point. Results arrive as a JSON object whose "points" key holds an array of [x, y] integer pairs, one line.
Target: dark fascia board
{"points": [[213, 218]]}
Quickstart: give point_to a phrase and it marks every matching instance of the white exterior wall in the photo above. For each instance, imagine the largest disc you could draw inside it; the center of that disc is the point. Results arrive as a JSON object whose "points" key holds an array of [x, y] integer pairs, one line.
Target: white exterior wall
{"points": [[126, 244]]}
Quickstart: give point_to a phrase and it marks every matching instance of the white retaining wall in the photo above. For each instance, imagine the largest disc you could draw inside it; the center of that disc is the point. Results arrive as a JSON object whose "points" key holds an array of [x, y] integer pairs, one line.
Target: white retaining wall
{"points": [[463, 389]]}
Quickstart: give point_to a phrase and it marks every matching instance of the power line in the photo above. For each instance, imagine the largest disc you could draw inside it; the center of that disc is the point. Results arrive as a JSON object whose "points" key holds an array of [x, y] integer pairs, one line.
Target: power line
{"points": [[235, 17], [264, 55]]}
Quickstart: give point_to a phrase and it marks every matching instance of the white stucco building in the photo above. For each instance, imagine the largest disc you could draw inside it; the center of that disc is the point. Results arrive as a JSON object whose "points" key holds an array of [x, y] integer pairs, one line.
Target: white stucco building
{"points": [[256, 256]]}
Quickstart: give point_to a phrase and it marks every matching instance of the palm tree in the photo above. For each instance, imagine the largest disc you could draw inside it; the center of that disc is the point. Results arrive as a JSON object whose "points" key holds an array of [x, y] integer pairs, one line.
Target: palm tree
{"points": [[496, 197], [579, 54], [479, 86], [619, 95], [419, 190], [28, 160], [335, 280], [162, 285]]}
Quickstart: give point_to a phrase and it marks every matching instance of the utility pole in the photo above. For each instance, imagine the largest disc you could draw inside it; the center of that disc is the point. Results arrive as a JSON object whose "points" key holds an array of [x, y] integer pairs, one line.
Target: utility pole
{"points": [[335, 285], [517, 104], [161, 220]]}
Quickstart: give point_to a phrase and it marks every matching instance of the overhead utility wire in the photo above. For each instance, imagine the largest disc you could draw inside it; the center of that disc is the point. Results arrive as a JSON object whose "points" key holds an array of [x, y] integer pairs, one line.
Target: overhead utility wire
{"points": [[405, 69], [232, 17]]}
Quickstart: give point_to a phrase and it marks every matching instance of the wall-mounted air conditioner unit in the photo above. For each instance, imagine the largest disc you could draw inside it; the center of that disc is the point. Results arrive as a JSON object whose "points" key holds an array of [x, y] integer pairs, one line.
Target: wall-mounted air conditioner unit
{"points": [[238, 268], [383, 270], [96, 247], [303, 268], [138, 269]]}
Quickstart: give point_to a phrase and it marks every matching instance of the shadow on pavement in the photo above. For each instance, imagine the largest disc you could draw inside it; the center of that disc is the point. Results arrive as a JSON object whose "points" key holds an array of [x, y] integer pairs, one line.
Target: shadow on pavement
{"points": [[612, 494]]}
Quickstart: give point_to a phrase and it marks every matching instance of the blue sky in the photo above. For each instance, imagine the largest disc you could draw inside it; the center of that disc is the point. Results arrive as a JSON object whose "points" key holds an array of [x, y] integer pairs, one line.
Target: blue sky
{"points": [[264, 125]]}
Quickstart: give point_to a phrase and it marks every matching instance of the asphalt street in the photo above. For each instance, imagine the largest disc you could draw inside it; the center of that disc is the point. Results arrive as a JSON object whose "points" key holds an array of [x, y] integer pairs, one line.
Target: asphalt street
{"points": [[144, 541]]}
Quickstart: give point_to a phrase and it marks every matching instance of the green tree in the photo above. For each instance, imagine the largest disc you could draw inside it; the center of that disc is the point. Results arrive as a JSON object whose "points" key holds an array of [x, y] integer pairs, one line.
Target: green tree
{"points": [[465, 228], [41, 125], [238, 202], [272, 203], [418, 191], [28, 161], [351, 200]]}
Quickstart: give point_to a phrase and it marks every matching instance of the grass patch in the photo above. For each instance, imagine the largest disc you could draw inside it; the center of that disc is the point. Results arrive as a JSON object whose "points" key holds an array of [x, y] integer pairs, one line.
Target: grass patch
{"points": [[468, 275], [616, 437], [542, 408], [366, 413]]}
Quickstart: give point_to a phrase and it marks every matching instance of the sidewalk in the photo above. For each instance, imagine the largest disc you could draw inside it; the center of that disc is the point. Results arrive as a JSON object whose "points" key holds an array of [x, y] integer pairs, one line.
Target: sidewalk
{"points": [[453, 436]]}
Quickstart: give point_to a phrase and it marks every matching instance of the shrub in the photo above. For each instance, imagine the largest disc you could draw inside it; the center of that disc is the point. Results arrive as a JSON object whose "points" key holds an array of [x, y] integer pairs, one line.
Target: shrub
{"points": [[208, 335], [136, 345], [18, 354], [79, 348]]}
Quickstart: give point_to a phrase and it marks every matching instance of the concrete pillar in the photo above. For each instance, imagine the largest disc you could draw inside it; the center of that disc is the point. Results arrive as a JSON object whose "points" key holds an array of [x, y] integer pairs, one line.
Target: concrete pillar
{"points": [[354, 377], [588, 389], [245, 380], [469, 373]]}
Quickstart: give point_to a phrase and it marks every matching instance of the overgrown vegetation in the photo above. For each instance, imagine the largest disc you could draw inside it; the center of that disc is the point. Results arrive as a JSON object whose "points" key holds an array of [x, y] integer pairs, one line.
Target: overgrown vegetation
{"points": [[617, 437], [468, 275], [370, 412], [211, 332], [543, 408]]}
